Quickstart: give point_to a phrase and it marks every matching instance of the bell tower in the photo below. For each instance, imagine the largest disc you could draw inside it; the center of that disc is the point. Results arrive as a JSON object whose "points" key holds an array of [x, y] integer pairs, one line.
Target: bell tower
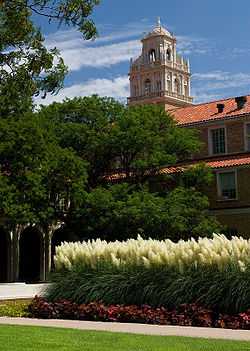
{"points": [[159, 75]]}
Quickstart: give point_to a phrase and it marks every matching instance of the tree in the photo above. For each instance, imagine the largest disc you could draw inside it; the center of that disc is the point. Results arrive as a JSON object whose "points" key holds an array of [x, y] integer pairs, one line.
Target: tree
{"points": [[37, 176], [27, 68], [122, 211], [85, 125], [133, 143], [113, 137], [146, 138]]}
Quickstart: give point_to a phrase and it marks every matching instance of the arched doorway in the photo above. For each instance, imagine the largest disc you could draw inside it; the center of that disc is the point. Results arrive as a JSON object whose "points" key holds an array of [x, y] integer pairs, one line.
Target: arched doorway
{"points": [[4, 256], [30, 255], [61, 235]]}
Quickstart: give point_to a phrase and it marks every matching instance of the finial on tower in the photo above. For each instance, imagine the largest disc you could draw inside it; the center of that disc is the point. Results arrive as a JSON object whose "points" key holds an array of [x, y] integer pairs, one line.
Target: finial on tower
{"points": [[158, 21]]}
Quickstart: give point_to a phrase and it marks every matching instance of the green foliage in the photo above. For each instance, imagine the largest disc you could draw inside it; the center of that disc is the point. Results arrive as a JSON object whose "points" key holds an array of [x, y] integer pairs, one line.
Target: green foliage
{"points": [[223, 290], [85, 125], [16, 308], [27, 68], [147, 138], [136, 142], [36, 173], [109, 135], [122, 211]]}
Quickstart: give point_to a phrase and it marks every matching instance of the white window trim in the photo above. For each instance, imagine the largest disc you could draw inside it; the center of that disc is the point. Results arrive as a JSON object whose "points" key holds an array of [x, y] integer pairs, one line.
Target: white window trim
{"points": [[210, 143], [245, 136], [219, 190]]}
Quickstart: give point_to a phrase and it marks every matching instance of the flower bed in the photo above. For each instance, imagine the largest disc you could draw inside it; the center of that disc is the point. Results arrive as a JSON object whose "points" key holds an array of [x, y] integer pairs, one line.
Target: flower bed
{"points": [[185, 315]]}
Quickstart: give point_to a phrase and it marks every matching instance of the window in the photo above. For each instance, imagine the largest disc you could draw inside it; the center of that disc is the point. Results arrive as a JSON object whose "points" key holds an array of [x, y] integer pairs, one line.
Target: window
{"points": [[169, 83], [247, 135], [136, 90], [218, 141], [147, 87], [227, 185], [152, 55], [158, 86], [177, 86], [168, 54]]}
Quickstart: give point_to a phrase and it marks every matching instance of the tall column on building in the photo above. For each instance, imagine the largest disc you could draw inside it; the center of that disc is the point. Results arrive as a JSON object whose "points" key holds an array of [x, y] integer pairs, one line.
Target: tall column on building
{"points": [[157, 62]]}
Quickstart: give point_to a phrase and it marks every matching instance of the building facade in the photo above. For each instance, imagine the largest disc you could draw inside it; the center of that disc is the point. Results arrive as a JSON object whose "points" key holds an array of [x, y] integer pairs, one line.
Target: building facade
{"points": [[224, 129], [161, 76]]}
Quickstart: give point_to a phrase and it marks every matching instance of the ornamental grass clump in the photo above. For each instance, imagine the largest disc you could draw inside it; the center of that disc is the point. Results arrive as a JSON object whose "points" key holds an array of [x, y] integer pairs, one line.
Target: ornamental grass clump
{"points": [[212, 272], [218, 251]]}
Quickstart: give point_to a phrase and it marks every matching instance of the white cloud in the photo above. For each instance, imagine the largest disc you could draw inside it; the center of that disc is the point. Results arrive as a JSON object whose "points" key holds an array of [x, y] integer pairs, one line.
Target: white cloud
{"points": [[201, 97], [117, 88], [221, 80], [189, 45], [101, 56], [216, 85], [112, 48]]}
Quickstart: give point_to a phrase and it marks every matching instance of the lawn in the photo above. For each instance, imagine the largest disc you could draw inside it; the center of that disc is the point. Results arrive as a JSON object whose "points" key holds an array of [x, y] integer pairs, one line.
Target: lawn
{"points": [[16, 338]]}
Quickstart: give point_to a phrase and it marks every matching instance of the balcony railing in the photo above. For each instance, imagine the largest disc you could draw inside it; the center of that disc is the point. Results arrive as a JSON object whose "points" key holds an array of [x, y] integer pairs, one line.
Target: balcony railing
{"points": [[162, 93], [144, 65]]}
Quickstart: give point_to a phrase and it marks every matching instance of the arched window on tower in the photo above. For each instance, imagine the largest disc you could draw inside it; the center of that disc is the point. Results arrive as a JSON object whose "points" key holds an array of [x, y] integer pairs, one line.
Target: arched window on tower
{"points": [[147, 87], [152, 55], [158, 86], [177, 86], [169, 54], [135, 90], [169, 86], [186, 88]]}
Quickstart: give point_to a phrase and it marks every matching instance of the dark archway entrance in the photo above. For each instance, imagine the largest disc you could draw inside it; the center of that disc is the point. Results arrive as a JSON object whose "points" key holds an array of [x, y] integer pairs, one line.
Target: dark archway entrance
{"points": [[4, 256], [30, 255], [59, 236]]}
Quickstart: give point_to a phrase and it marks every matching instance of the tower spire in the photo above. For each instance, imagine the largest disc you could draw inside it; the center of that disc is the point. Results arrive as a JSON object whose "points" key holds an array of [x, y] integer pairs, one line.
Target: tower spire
{"points": [[158, 21]]}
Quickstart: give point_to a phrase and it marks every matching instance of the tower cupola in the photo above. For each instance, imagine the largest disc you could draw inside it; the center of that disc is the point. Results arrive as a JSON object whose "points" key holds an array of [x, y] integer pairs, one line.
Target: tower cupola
{"points": [[159, 75]]}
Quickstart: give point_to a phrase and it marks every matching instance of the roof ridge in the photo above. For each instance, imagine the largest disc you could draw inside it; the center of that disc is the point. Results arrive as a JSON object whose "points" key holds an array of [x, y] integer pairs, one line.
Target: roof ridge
{"points": [[207, 103]]}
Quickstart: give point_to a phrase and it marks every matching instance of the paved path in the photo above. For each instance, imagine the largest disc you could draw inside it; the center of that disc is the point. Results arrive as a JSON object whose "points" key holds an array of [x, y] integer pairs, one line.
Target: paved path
{"points": [[210, 333], [10, 291]]}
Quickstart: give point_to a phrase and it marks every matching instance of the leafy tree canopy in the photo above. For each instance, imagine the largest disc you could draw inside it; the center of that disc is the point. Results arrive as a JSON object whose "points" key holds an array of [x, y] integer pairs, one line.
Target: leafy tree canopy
{"points": [[36, 174], [137, 140], [122, 211], [27, 68], [133, 143]]}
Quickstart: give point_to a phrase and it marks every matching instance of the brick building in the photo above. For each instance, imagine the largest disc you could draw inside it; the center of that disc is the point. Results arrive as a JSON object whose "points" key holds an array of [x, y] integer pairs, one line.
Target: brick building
{"points": [[161, 76]]}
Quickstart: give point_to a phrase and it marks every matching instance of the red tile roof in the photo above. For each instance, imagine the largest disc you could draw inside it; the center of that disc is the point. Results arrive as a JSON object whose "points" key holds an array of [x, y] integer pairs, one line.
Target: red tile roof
{"points": [[209, 112], [215, 163]]}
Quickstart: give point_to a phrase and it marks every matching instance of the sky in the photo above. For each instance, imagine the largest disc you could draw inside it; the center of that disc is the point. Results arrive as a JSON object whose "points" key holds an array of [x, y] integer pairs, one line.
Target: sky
{"points": [[213, 34]]}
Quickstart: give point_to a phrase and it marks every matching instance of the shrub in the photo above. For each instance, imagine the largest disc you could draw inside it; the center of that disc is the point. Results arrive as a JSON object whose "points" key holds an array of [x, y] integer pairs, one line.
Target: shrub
{"points": [[15, 308], [224, 290], [213, 272], [185, 315]]}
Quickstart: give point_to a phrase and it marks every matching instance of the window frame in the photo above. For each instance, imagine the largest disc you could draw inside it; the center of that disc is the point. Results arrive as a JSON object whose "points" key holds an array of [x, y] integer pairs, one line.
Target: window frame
{"points": [[219, 189], [147, 87], [245, 137], [210, 141]]}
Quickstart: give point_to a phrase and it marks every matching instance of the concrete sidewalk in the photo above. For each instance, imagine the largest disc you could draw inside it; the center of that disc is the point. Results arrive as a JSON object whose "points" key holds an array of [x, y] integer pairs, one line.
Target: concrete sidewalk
{"points": [[10, 291], [208, 333]]}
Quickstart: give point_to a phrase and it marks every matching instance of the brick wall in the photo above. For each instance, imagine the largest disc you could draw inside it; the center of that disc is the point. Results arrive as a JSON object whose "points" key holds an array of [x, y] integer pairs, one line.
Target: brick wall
{"points": [[234, 135], [237, 223], [243, 177]]}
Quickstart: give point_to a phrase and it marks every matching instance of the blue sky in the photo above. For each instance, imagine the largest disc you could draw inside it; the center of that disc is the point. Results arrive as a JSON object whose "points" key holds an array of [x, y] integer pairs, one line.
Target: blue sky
{"points": [[214, 35]]}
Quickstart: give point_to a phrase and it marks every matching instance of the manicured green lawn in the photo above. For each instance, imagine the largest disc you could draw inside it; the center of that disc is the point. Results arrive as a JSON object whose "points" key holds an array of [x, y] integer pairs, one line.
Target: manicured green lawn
{"points": [[16, 338]]}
